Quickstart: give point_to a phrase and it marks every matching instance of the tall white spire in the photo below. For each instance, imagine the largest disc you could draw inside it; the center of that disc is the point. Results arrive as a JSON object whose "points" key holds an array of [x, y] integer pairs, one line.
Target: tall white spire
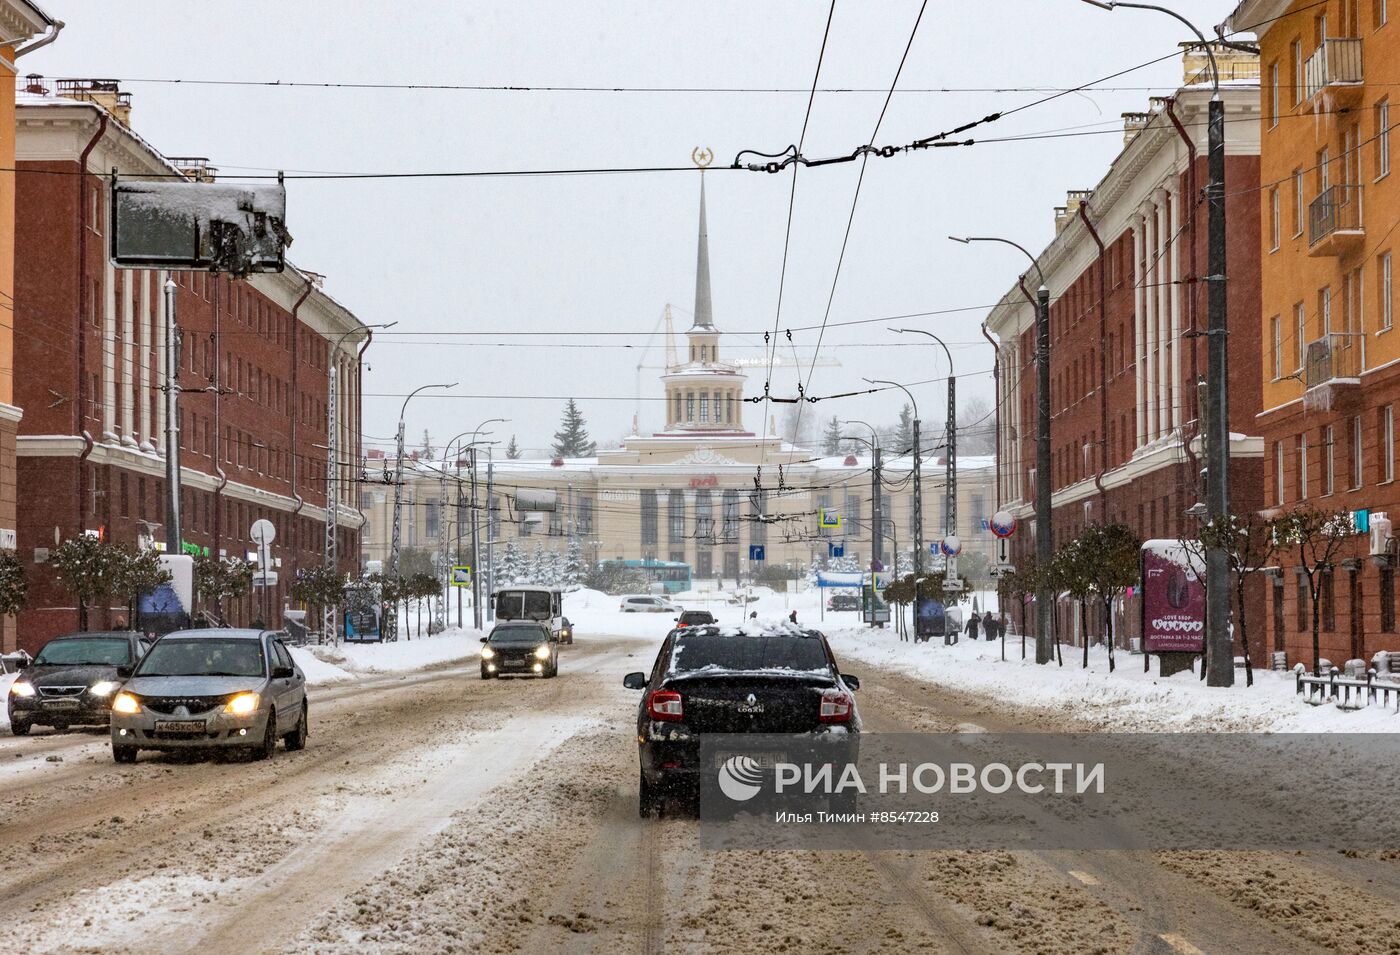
{"points": [[704, 312]]}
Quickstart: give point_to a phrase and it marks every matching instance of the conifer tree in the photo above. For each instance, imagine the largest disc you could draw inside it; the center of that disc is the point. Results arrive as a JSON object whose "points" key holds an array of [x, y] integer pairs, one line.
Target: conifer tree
{"points": [[571, 440], [513, 449], [831, 437]]}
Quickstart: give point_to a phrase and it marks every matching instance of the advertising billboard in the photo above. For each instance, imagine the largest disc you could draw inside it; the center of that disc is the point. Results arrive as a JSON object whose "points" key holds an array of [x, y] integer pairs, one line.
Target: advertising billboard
{"points": [[1173, 598]]}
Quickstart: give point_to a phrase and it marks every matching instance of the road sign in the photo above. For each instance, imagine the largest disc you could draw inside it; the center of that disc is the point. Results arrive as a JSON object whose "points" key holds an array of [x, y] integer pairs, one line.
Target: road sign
{"points": [[1003, 524], [262, 532], [1002, 570], [951, 545], [267, 578], [829, 518], [836, 550], [756, 551], [953, 584], [461, 575]]}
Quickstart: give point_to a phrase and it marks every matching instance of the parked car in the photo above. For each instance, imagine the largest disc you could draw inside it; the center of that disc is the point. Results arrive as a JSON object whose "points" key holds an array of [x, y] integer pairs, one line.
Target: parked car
{"points": [[72, 680], [208, 689], [711, 679], [843, 602], [647, 603], [566, 632], [519, 647], [694, 618]]}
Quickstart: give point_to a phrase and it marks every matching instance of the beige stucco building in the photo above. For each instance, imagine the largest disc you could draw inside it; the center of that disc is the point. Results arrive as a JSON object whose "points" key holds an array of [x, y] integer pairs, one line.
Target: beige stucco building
{"points": [[702, 490]]}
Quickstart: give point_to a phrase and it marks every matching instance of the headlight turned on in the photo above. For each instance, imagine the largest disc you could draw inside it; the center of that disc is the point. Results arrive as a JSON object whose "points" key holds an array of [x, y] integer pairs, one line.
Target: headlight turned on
{"points": [[242, 705], [542, 652], [487, 653], [126, 703], [104, 688], [20, 688]]}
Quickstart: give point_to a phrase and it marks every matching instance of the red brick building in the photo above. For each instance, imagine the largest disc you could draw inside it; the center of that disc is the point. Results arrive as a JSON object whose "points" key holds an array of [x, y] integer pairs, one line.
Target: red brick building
{"points": [[89, 338], [1124, 275]]}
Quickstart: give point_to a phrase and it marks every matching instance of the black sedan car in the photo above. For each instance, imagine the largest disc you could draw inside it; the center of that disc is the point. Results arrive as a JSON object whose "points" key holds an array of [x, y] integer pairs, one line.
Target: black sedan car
{"points": [[519, 647], [72, 680], [711, 679]]}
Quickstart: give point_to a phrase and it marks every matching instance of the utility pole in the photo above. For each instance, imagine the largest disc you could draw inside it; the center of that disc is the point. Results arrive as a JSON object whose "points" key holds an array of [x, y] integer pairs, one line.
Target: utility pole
{"points": [[476, 551], [172, 423], [1220, 642], [877, 518], [398, 480], [950, 458], [1045, 597], [443, 556], [490, 539], [332, 488]]}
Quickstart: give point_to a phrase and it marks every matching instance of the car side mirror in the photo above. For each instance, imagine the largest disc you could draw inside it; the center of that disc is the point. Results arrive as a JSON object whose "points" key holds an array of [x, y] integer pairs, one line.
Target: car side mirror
{"points": [[283, 673], [483, 639], [850, 680], [676, 619], [124, 673], [635, 681]]}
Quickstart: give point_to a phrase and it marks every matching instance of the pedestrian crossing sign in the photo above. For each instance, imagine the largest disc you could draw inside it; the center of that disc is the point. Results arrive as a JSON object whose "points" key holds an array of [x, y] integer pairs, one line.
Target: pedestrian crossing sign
{"points": [[461, 575], [829, 518]]}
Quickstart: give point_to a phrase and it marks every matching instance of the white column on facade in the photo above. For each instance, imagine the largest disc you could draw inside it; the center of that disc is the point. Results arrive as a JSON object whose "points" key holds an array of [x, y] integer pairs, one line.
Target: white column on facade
{"points": [[126, 360], [1163, 296], [158, 437], [143, 378], [1177, 393], [1139, 409], [1149, 317], [109, 352]]}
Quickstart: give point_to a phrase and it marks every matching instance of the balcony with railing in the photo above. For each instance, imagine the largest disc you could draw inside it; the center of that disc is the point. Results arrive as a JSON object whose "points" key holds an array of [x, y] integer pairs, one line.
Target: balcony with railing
{"points": [[1333, 360], [1335, 223], [1335, 69]]}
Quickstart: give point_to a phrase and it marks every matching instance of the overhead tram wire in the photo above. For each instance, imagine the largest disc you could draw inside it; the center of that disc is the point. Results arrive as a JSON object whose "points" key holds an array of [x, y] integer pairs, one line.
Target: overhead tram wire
{"points": [[772, 346], [855, 200]]}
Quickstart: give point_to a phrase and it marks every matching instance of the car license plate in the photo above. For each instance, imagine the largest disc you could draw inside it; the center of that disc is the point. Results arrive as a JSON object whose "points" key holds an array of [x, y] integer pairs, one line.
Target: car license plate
{"points": [[61, 704], [179, 726], [764, 760]]}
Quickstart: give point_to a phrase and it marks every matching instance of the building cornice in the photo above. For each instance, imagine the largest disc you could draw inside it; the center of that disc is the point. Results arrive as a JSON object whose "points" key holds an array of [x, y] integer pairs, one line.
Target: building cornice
{"points": [[1257, 16]]}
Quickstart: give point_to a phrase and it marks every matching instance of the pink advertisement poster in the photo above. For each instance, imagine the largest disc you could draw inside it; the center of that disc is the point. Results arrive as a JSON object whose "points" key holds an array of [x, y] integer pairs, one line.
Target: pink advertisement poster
{"points": [[1173, 599]]}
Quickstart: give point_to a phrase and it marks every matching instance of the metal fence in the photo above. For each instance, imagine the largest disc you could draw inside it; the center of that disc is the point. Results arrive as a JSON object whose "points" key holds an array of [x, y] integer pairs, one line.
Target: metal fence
{"points": [[1347, 694]]}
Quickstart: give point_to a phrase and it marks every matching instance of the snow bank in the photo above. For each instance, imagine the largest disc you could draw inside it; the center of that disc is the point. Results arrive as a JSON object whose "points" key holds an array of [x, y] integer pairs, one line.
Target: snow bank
{"points": [[1126, 700], [349, 661]]}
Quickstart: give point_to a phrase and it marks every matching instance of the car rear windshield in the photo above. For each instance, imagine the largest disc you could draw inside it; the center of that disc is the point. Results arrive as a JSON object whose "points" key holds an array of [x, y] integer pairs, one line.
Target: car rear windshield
{"points": [[96, 651], [517, 635], [203, 657], [697, 616], [523, 605], [716, 653]]}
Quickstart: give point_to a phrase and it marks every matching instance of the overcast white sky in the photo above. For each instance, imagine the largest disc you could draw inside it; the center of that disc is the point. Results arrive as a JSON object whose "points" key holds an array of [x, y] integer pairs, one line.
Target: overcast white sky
{"points": [[606, 253]]}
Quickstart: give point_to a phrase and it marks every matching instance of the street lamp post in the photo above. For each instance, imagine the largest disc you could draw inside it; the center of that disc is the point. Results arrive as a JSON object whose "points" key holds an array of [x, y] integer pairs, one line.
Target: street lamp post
{"points": [[918, 453], [398, 481], [877, 519], [476, 558], [1220, 662], [950, 455], [1044, 597]]}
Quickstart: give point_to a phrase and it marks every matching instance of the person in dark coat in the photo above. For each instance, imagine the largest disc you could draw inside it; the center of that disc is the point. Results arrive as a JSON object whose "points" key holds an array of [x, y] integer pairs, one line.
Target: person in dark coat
{"points": [[973, 623], [792, 617], [989, 626]]}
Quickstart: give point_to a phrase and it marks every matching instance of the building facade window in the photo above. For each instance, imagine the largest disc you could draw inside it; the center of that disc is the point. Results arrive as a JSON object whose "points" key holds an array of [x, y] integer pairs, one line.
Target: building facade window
{"points": [[1275, 226], [729, 533], [1385, 290], [1302, 467], [1328, 461], [1276, 345], [1273, 94], [585, 516], [1387, 599], [1296, 79], [675, 516], [1300, 335], [1329, 604], [1383, 138], [1278, 472], [1300, 203], [704, 406], [1357, 461], [758, 533], [649, 516], [1387, 444], [704, 518]]}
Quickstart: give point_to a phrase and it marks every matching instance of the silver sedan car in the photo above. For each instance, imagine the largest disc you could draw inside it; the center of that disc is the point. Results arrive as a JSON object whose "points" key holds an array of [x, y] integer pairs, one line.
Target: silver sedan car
{"points": [[211, 689]]}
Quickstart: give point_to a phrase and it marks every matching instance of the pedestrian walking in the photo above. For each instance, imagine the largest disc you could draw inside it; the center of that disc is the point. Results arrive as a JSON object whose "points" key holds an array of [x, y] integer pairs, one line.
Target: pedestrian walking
{"points": [[974, 623], [792, 617], [989, 626]]}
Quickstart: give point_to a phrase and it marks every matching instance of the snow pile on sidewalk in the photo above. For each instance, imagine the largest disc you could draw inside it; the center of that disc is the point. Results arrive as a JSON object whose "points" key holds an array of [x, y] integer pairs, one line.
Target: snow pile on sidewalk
{"points": [[1125, 700], [351, 661]]}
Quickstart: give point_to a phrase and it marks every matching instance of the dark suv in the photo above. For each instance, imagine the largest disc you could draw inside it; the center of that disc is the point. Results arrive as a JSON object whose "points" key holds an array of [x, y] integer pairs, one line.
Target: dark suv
{"points": [[694, 618], [711, 679]]}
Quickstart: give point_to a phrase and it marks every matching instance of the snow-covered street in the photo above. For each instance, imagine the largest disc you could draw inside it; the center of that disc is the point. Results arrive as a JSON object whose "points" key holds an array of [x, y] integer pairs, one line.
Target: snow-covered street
{"points": [[434, 811]]}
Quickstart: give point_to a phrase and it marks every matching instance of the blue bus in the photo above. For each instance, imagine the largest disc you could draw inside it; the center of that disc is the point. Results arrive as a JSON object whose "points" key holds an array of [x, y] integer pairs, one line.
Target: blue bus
{"points": [[663, 576]]}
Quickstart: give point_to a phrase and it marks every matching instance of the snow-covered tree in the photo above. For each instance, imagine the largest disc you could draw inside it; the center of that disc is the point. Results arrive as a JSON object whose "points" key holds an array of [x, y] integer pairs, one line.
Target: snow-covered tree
{"points": [[508, 565], [513, 449], [573, 565], [904, 431]]}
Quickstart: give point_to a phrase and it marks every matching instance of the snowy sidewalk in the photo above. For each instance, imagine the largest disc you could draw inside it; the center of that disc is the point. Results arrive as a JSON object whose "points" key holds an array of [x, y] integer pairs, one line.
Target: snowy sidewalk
{"points": [[1126, 700]]}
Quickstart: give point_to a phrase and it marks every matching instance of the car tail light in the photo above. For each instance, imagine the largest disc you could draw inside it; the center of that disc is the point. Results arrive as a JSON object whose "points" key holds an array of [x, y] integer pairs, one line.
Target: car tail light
{"points": [[664, 705], [836, 707]]}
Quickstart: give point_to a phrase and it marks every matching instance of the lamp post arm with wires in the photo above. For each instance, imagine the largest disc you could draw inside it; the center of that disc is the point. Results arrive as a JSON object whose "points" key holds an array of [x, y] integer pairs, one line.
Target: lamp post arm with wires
{"points": [[1044, 540], [950, 455], [918, 504], [476, 560], [877, 543], [1220, 659]]}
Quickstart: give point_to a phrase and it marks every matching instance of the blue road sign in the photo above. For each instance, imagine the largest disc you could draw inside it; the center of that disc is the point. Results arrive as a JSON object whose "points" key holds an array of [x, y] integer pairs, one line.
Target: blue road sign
{"points": [[836, 550], [755, 552]]}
